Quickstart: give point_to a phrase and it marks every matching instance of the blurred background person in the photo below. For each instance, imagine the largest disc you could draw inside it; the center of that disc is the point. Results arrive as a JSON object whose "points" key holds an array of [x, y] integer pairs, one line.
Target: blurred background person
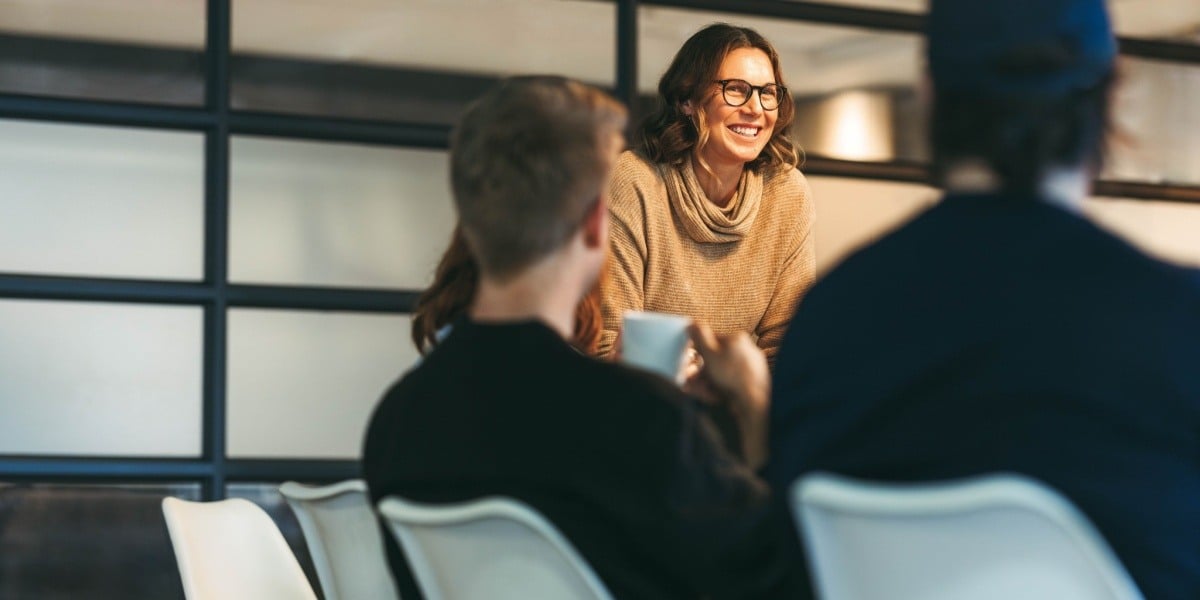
{"points": [[710, 217], [1001, 330]]}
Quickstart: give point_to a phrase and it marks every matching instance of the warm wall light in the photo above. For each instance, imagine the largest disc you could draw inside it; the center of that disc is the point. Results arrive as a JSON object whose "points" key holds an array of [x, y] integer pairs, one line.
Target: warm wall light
{"points": [[855, 125]]}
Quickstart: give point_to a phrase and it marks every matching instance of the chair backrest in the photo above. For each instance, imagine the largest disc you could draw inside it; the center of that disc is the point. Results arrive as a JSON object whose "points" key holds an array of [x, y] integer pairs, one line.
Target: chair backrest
{"points": [[344, 539], [232, 550], [993, 537], [494, 548]]}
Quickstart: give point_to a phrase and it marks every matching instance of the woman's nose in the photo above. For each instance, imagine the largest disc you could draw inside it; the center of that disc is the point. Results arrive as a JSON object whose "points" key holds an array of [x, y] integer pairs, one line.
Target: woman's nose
{"points": [[754, 104]]}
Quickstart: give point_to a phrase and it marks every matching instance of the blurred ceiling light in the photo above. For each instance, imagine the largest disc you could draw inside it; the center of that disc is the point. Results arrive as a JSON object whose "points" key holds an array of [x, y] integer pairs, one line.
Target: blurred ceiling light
{"points": [[855, 125]]}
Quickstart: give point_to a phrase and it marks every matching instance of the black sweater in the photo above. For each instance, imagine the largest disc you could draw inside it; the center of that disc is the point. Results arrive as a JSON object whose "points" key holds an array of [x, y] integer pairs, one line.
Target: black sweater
{"points": [[622, 462]]}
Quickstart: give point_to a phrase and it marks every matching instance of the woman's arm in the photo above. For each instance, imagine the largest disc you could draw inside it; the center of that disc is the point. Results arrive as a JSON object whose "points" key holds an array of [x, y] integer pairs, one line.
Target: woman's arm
{"points": [[798, 274], [622, 285]]}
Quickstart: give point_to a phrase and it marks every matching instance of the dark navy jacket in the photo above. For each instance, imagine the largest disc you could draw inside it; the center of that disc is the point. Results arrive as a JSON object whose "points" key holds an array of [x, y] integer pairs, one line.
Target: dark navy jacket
{"points": [[1001, 334]]}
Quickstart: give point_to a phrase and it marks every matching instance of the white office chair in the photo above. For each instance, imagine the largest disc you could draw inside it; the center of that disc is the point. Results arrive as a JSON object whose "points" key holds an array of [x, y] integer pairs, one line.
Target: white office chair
{"points": [[993, 537], [492, 548], [232, 550], [344, 539]]}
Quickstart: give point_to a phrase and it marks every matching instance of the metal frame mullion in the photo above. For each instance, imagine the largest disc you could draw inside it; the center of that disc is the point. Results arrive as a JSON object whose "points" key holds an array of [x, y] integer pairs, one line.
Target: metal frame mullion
{"points": [[43, 287], [99, 112], [329, 129], [627, 58], [317, 298], [307, 470], [216, 246], [118, 469], [896, 171], [85, 289], [77, 469], [1136, 190]]}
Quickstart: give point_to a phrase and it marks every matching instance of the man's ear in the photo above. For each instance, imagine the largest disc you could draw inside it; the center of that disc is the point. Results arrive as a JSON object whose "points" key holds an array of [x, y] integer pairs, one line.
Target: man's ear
{"points": [[595, 225]]}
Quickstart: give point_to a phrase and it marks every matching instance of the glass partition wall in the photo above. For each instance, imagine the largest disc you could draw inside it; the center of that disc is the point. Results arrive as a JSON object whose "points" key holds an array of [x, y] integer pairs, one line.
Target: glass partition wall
{"points": [[217, 215]]}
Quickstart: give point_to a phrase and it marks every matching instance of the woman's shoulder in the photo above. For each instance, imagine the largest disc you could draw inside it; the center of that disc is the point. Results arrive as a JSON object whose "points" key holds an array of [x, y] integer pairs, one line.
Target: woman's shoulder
{"points": [[633, 167], [789, 199], [786, 179], [634, 179]]}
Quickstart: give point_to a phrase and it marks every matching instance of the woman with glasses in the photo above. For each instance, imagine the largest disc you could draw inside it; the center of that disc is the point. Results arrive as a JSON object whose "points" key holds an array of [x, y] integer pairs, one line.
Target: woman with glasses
{"points": [[709, 216]]}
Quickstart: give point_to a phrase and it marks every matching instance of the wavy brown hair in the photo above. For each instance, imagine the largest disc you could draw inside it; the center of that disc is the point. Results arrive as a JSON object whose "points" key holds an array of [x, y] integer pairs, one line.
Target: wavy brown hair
{"points": [[453, 289], [669, 135]]}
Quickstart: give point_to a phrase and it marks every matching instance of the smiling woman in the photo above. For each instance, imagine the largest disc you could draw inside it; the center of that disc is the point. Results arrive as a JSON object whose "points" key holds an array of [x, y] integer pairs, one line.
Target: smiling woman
{"points": [[710, 217]]}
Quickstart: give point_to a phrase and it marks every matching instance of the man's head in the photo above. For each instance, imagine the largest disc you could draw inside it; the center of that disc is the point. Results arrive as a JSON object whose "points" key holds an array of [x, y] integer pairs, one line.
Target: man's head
{"points": [[1022, 85], [529, 164]]}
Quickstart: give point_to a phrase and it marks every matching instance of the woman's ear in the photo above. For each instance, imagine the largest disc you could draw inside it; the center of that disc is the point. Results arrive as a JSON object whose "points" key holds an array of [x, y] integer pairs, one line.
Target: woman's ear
{"points": [[687, 108]]}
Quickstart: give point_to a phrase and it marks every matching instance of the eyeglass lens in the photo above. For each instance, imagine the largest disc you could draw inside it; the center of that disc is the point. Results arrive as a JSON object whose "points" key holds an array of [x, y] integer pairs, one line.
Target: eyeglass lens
{"points": [[737, 92]]}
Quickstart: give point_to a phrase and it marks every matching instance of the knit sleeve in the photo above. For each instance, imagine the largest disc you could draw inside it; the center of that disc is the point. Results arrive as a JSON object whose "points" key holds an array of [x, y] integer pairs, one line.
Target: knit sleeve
{"points": [[622, 286], [798, 273]]}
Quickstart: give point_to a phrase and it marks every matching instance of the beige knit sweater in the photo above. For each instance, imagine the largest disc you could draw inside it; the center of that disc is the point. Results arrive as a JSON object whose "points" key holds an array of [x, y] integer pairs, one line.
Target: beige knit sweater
{"points": [[742, 268]]}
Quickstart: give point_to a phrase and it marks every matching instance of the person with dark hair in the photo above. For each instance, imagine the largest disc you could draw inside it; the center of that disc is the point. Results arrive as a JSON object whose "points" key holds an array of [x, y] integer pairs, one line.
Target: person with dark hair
{"points": [[711, 218], [449, 295], [627, 466], [1001, 331]]}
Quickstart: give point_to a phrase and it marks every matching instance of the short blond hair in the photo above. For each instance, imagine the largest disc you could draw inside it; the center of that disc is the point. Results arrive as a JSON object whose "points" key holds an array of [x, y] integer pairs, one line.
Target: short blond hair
{"points": [[527, 161]]}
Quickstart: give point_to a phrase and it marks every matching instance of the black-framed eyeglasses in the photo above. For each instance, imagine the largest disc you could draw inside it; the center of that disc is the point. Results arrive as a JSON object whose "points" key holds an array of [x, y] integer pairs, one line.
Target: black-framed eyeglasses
{"points": [[738, 91]]}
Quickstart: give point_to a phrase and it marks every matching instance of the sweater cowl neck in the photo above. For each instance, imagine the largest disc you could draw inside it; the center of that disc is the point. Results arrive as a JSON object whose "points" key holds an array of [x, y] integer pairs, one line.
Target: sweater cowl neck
{"points": [[704, 221]]}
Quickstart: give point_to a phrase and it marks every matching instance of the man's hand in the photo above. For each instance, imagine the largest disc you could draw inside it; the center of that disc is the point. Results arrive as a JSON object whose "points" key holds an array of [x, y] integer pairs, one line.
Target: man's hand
{"points": [[736, 370]]}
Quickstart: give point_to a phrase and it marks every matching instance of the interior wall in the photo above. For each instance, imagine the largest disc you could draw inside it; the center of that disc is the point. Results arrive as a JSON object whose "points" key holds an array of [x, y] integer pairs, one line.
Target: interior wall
{"points": [[854, 212]]}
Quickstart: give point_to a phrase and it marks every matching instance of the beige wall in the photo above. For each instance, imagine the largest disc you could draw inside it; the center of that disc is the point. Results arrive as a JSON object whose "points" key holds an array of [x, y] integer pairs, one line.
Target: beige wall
{"points": [[1168, 230], [854, 212]]}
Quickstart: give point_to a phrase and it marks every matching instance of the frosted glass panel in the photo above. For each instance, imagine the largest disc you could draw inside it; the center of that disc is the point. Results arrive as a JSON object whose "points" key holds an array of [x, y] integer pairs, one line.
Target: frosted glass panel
{"points": [[99, 379], [855, 212], [308, 213], [1167, 230], [101, 201], [413, 61], [1157, 123], [303, 384], [125, 50]]}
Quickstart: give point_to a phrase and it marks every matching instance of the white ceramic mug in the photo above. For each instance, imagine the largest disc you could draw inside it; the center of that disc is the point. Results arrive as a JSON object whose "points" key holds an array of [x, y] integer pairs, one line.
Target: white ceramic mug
{"points": [[655, 342]]}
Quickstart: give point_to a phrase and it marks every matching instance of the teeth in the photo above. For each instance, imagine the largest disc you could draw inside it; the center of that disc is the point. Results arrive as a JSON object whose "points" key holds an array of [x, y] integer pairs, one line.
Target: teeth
{"points": [[744, 130]]}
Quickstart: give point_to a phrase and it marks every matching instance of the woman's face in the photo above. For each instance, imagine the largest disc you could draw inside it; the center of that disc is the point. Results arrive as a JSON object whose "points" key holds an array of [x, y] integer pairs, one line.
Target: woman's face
{"points": [[737, 134]]}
